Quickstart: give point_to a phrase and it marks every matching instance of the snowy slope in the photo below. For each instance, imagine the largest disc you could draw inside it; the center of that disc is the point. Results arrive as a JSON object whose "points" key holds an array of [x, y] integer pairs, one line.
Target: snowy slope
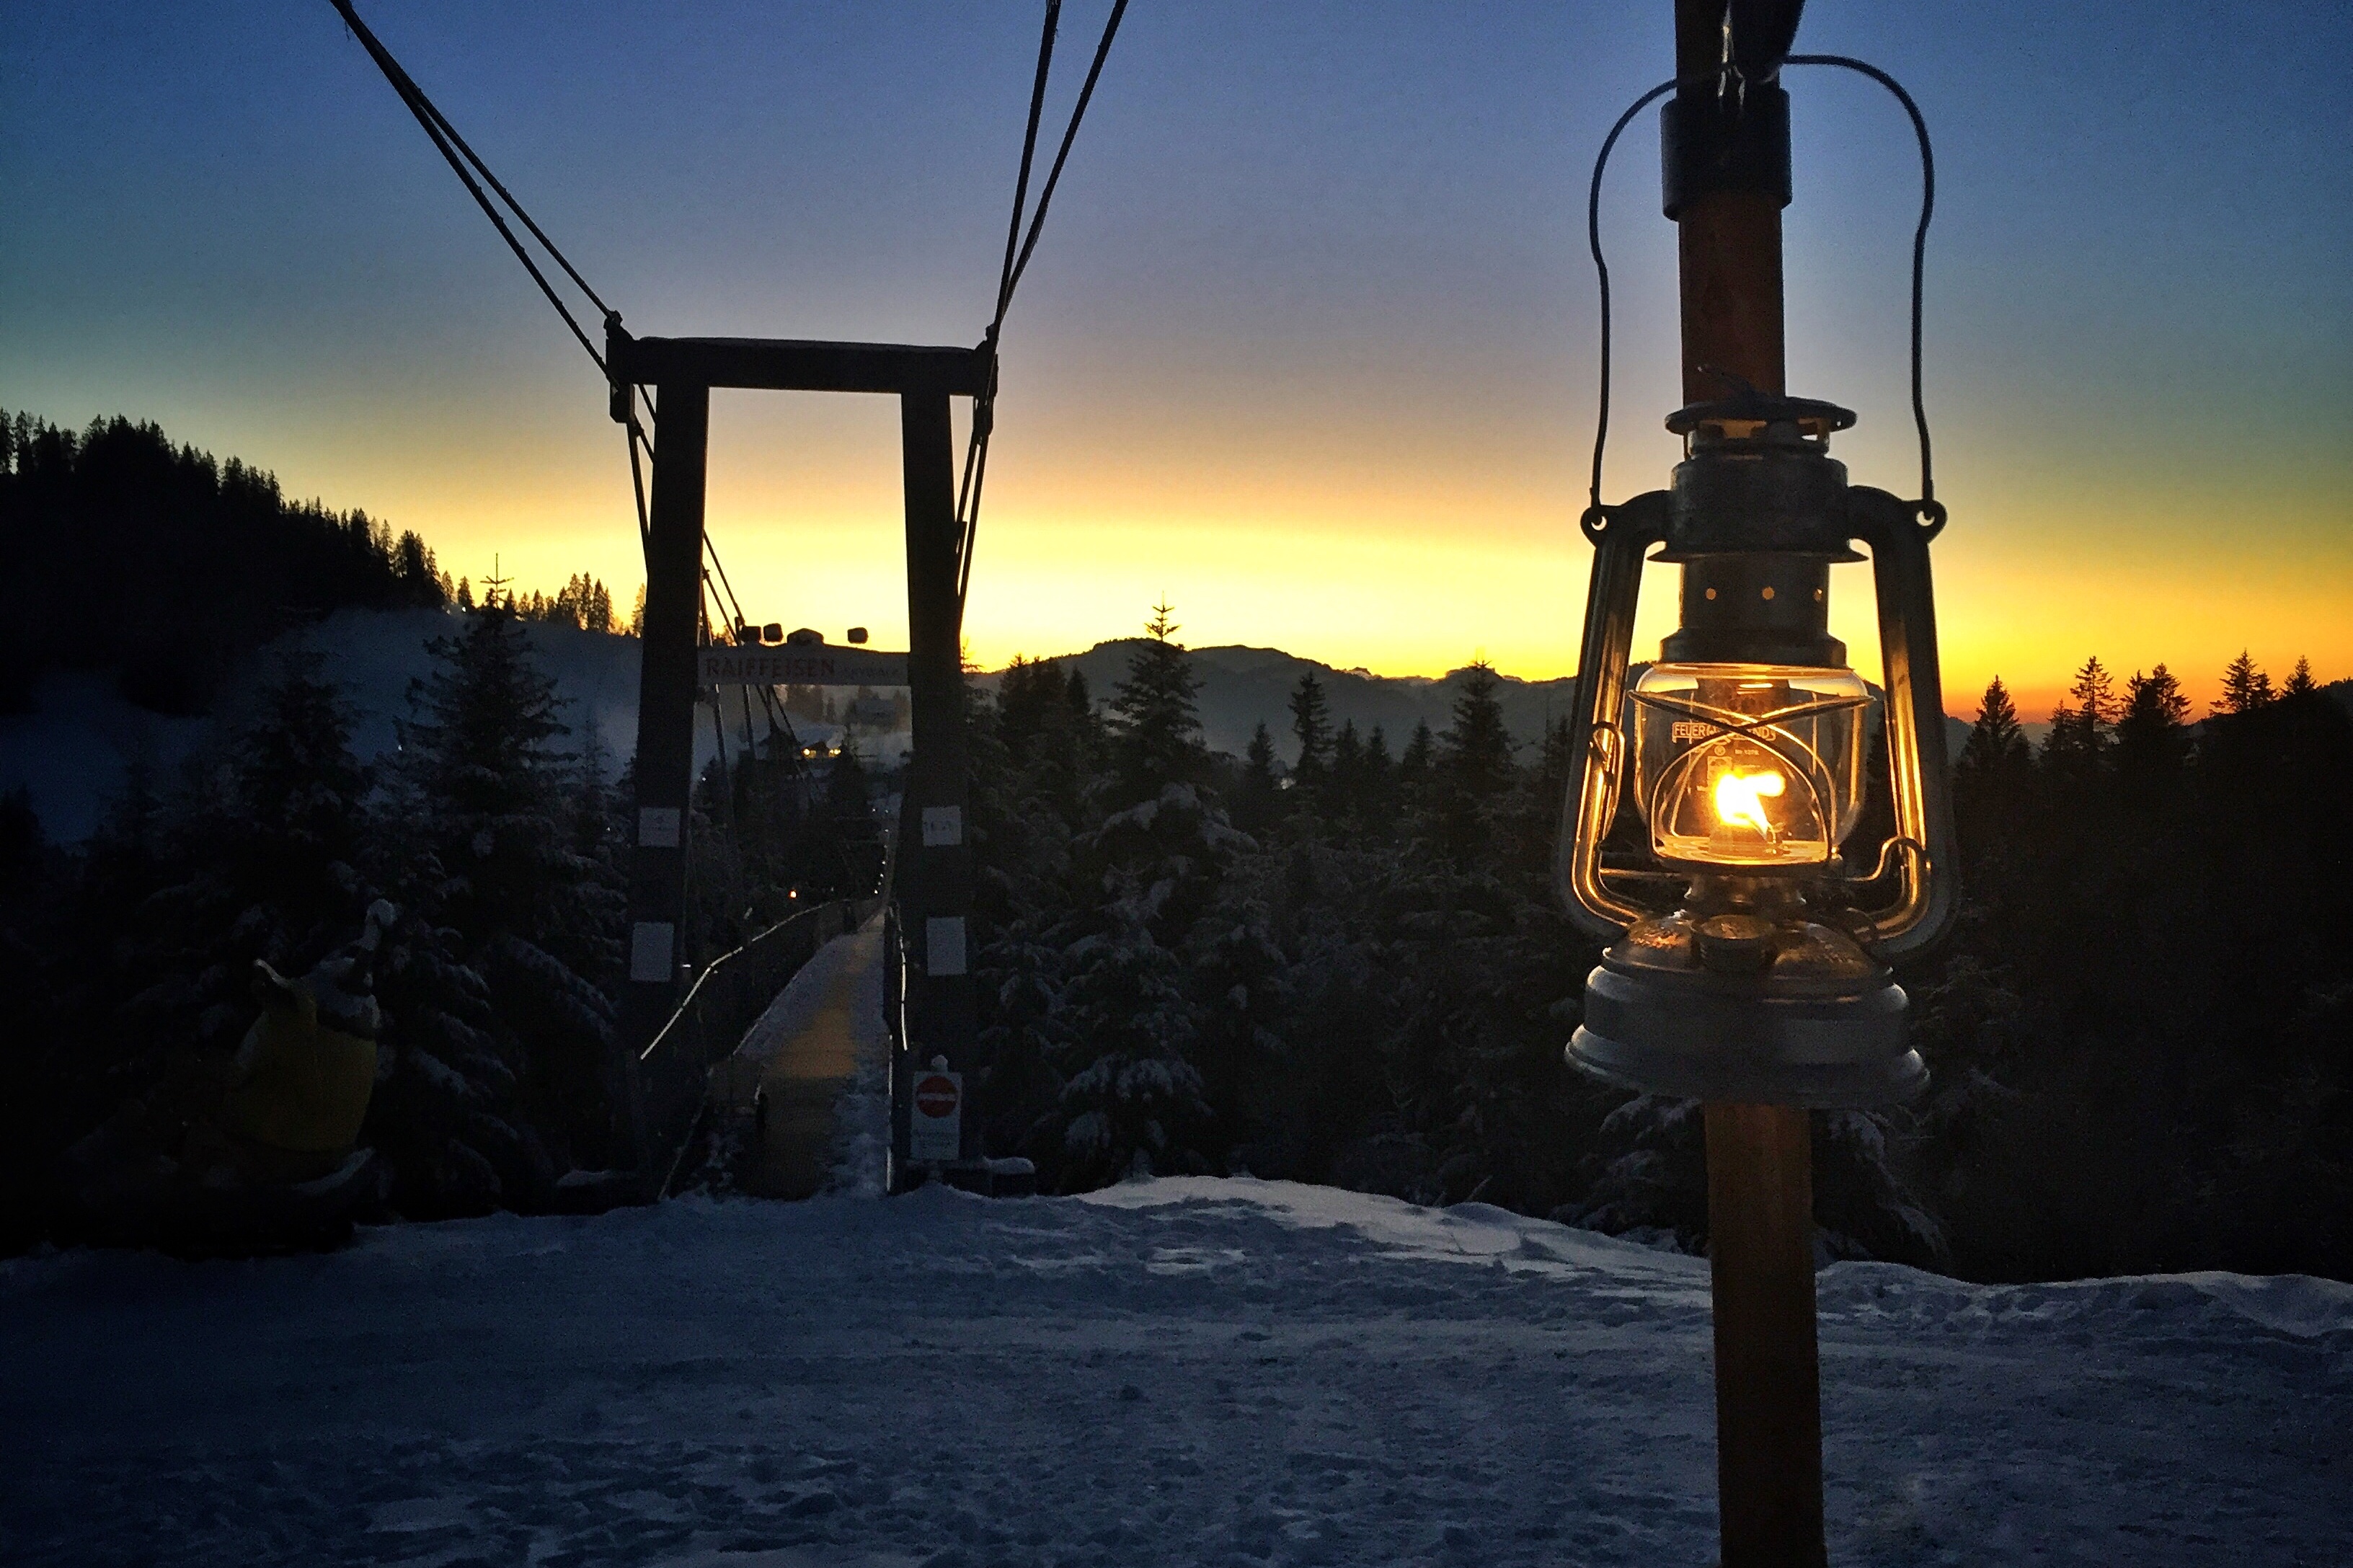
{"points": [[71, 753], [1173, 1372]]}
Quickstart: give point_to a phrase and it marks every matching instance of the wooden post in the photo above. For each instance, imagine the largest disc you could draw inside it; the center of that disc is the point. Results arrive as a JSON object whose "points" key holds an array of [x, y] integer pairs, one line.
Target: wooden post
{"points": [[665, 763], [934, 870], [1769, 1407], [1769, 1420]]}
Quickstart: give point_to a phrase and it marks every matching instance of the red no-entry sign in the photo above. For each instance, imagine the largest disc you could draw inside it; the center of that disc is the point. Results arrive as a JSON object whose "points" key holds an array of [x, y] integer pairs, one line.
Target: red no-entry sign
{"points": [[936, 1094]]}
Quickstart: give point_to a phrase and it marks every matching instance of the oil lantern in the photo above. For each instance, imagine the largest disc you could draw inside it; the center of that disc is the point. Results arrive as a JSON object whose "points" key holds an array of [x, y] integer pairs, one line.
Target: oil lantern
{"points": [[1749, 941]]}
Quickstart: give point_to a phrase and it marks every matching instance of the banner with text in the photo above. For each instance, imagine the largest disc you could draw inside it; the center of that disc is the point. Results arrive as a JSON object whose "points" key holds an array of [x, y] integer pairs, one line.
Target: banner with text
{"points": [[801, 664]]}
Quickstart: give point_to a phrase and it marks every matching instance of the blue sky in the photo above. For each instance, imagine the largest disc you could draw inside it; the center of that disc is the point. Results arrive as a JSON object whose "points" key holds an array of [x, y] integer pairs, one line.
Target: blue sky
{"points": [[1308, 345]]}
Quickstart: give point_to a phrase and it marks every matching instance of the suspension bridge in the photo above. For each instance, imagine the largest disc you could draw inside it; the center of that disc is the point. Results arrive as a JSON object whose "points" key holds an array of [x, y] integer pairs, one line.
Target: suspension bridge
{"points": [[680, 1065]]}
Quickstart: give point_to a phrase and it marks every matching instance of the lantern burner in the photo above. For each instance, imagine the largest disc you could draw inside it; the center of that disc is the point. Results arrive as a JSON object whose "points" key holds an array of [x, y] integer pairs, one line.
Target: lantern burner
{"points": [[1741, 994]]}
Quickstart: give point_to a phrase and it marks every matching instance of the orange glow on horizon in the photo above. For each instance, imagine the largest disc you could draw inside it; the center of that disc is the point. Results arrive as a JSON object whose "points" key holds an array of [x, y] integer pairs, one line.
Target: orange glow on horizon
{"points": [[1404, 552]]}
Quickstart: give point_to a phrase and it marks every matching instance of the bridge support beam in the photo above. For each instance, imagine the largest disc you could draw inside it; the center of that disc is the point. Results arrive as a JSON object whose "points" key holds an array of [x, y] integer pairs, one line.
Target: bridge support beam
{"points": [[935, 873], [658, 950]]}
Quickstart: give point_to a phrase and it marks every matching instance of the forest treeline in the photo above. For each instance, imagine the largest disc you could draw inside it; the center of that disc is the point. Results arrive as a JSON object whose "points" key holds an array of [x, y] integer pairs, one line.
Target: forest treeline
{"points": [[122, 553], [164, 567], [1353, 970], [1358, 974]]}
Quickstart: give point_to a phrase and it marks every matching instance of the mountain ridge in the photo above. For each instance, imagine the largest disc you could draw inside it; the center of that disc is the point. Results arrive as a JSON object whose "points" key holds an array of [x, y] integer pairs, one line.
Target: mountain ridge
{"points": [[1243, 686]]}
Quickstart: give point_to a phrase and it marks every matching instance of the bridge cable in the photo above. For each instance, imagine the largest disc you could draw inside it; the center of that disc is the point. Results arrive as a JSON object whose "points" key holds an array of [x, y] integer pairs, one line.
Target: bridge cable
{"points": [[1019, 248], [444, 139], [466, 163]]}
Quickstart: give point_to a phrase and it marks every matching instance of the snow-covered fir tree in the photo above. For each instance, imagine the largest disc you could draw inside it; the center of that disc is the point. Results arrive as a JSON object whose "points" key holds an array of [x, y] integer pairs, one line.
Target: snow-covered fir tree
{"points": [[511, 919]]}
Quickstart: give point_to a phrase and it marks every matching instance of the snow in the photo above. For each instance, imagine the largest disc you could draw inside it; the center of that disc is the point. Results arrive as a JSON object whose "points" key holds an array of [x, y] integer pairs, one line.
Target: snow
{"points": [[857, 955], [71, 753], [1185, 1371], [1174, 1372]]}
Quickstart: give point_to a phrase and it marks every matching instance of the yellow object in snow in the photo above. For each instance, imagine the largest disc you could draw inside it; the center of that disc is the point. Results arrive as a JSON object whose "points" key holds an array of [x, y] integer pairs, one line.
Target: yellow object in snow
{"points": [[302, 1087]]}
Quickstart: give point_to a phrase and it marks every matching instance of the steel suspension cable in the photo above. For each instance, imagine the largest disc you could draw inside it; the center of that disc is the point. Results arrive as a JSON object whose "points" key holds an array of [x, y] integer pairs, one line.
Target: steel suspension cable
{"points": [[446, 140], [1062, 154], [1017, 262], [466, 163], [1029, 156]]}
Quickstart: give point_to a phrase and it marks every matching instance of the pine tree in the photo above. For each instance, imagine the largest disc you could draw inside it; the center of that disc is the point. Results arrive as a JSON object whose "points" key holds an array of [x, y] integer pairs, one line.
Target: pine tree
{"points": [[1991, 779], [1417, 761], [1311, 722], [2299, 681], [1997, 744], [2080, 735], [1025, 692], [1477, 755], [2151, 742], [1649, 1175], [1376, 789], [1158, 728], [299, 794], [1259, 799], [1240, 981], [477, 756], [592, 796], [2094, 692], [1863, 1209], [1347, 773], [2244, 686], [518, 912], [254, 858], [1136, 1105], [1474, 765]]}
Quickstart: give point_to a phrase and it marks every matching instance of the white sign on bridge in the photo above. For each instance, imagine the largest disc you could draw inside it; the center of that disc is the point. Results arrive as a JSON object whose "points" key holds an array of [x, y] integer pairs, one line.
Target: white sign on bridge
{"points": [[935, 1129], [801, 664]]}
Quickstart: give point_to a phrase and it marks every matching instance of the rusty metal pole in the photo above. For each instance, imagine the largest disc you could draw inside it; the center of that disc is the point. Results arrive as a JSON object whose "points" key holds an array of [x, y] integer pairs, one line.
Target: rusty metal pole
{"points": [[1768, 1424]]}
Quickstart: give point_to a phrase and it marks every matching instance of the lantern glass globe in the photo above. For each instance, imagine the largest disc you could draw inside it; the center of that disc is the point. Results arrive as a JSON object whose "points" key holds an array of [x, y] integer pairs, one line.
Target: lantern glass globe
{"points": [[1748, 768]]}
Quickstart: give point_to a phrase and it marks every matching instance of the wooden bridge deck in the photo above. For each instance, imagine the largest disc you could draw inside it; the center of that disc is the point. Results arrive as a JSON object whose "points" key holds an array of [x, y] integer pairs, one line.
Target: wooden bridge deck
{"points": [[783, 1082]]}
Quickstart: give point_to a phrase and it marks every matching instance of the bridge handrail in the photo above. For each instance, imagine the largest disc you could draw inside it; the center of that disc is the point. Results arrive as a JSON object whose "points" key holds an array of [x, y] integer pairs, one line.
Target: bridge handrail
{"points": [[726, 999]]}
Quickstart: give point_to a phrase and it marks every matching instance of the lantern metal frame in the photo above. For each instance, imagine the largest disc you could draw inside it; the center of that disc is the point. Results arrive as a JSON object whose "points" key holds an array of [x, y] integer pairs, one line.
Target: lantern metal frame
{"points": [[1742, 983]]}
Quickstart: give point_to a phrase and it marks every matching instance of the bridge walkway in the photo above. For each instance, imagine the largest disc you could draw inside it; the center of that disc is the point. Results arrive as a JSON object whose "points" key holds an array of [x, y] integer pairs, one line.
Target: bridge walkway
{"points": [[784, 1087]]}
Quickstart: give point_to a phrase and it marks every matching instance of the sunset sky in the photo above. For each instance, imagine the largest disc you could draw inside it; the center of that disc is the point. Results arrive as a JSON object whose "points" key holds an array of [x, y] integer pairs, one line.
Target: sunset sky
{"points": [[1308, 347]]}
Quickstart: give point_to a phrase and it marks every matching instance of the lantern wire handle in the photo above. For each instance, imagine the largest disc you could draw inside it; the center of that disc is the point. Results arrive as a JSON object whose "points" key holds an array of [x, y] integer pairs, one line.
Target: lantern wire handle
{"points": [[1594, 511], [1930, 510]]}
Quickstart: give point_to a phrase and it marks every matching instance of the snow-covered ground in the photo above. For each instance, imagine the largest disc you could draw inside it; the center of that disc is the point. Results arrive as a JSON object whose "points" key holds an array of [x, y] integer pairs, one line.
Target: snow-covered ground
{"points": [[1173, 1372], [1177, 1371]]}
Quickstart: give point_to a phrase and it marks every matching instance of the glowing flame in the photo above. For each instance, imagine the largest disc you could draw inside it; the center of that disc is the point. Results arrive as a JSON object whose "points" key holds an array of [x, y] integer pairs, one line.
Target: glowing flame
{"points": [[1740, 800]]}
